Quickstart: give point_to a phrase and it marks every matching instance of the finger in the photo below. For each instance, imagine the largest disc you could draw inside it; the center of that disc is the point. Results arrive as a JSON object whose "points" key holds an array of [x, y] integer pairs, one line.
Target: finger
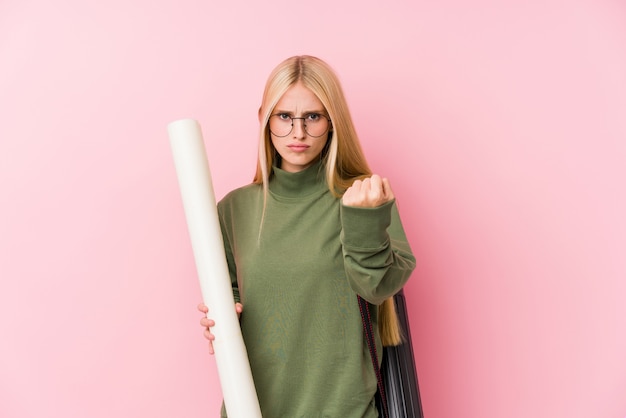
{"points": [[387, 190], [356, 186], [238, 309], [203, 308], [376, 187], [208, 335], [348, 196], [207, 323], [366, 185], [365, 194]]}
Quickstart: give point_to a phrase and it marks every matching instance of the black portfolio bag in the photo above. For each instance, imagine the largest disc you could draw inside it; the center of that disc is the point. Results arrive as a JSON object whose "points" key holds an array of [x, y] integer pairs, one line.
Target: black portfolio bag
{"points": [[398, 393]]}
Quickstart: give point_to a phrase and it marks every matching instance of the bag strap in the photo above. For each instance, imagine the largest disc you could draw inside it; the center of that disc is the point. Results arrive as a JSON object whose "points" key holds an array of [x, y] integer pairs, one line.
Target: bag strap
{"points": [[368, 329]]}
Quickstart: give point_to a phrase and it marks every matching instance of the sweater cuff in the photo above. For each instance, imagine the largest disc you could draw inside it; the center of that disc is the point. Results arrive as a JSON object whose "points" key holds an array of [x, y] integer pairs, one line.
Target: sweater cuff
{"points": [[365, 227], [236, 296]]}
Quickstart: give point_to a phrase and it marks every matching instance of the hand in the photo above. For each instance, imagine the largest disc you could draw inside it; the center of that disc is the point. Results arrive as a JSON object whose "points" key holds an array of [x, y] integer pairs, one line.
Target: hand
{"points": [[207, 323], [368, 193]]}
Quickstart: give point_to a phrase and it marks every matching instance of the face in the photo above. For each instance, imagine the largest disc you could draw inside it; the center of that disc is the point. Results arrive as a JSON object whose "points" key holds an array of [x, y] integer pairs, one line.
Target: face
{"points": [[298, 149]]}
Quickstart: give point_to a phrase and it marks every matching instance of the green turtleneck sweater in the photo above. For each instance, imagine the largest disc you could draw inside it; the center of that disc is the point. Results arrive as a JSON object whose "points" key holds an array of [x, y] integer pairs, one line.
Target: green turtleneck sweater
{"points": [[298, 280]]}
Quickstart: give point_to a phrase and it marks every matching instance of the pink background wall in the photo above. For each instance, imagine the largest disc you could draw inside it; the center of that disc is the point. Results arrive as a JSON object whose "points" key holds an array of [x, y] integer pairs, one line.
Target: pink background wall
{"points": [[502, 125]]}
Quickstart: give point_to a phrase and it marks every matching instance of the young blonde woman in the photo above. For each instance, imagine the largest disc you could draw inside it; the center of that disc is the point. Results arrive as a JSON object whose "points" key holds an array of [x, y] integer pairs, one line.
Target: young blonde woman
{"points": [[312, 231]]}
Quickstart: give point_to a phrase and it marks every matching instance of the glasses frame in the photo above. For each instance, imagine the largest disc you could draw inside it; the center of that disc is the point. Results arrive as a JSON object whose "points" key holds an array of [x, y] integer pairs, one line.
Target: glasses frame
{"points": [[328, 128]]}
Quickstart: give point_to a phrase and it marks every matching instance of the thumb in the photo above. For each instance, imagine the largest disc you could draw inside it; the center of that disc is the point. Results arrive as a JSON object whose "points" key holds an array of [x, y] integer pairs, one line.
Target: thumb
{"points": [[387, 191]]}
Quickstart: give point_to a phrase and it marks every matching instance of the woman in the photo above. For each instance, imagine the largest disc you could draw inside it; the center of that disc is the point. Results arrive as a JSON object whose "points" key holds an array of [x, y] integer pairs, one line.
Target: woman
{"points": [[313, 230]]}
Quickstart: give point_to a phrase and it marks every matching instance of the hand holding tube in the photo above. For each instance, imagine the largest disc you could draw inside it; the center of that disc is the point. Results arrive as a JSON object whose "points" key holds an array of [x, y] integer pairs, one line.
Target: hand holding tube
{"points": [[207, 323]]}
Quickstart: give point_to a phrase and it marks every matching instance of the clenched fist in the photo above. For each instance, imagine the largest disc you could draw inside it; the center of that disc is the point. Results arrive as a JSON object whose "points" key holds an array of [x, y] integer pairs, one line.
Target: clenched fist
{"points": [[368, 193]]}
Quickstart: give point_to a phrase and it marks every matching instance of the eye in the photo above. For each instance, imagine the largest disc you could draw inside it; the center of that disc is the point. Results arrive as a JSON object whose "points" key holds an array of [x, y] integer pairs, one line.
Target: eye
{"points": [[283, 116], [313, 117]]}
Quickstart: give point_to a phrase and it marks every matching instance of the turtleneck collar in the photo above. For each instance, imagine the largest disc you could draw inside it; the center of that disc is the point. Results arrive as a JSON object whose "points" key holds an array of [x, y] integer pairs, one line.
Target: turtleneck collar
{"points": [[303, 183]]}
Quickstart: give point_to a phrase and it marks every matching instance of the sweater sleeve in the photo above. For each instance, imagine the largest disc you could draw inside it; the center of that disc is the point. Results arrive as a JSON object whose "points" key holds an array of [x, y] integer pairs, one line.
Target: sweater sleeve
{"points": [[378, 260]]}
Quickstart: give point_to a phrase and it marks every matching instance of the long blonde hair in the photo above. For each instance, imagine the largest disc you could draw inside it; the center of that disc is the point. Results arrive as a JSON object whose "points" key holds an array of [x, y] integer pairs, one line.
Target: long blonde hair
{"points": [[343, 156]]}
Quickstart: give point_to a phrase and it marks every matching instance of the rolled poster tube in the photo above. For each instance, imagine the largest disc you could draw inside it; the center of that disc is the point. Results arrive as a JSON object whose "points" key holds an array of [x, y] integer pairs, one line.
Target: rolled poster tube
{"points": [[196, 187]]}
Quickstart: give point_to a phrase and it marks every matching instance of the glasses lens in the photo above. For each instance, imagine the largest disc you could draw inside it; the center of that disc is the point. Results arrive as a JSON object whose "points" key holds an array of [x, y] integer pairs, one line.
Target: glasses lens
{"points": [[316, 124], [280, 125]]}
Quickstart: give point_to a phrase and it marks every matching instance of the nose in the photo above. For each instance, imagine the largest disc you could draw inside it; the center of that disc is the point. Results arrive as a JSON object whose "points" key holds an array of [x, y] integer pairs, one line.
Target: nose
{"points": [[298, 128]]}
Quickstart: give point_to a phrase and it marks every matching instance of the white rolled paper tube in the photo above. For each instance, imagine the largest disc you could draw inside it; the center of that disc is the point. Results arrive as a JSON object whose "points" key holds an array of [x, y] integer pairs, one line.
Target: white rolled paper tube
{"points": [[196, 187]]}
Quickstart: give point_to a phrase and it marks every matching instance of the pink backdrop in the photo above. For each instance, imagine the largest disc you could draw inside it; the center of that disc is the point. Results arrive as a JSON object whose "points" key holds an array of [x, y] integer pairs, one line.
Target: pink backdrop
{"points": [[501, 125]]}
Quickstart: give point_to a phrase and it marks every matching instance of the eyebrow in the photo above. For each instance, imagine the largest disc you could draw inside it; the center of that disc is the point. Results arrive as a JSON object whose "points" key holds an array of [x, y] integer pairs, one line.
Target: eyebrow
{"points": [[308, 112]]}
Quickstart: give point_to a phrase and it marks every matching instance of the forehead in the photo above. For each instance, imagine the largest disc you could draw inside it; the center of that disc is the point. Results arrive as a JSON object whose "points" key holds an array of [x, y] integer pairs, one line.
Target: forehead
{"points": [[299, 97]]}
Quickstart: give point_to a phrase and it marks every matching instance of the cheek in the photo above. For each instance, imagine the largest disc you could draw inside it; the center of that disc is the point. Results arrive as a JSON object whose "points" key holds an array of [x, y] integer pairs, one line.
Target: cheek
{"points": [[320, 147], [274, 142]]}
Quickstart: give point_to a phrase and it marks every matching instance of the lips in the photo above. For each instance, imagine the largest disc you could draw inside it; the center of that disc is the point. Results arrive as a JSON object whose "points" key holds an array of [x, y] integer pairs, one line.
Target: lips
{"points": [[298, 147]]}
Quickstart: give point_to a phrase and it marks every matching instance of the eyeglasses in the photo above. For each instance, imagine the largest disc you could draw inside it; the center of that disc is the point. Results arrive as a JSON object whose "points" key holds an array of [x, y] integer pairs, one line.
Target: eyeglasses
{"points": [[314, 124]]}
